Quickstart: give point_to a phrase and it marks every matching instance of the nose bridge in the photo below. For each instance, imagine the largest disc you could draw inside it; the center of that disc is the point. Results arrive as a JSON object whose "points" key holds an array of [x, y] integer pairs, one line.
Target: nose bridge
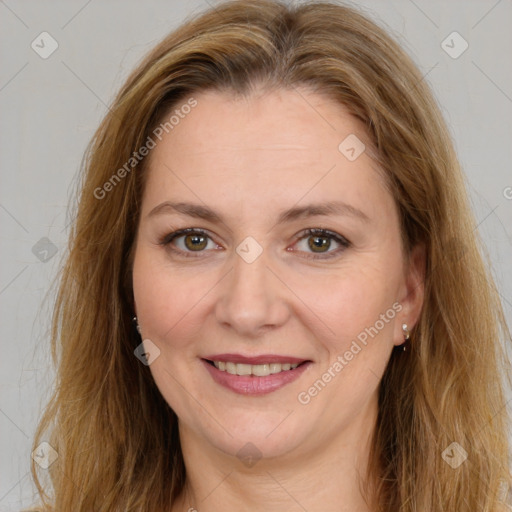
{"points": [[250, 299]]}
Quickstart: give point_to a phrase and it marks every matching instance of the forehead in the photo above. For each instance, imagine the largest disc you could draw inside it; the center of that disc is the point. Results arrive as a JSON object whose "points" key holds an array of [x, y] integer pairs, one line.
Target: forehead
{"points": [[278, 120], [262, 150]]}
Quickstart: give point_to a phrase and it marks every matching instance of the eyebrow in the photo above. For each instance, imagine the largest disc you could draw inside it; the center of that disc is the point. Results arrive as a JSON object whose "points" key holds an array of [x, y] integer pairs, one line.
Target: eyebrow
{"points": [[298, 212]]}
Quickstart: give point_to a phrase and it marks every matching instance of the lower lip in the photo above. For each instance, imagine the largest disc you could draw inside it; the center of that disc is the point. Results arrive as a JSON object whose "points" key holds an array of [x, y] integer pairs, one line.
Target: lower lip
{"points": [[252, 385]]}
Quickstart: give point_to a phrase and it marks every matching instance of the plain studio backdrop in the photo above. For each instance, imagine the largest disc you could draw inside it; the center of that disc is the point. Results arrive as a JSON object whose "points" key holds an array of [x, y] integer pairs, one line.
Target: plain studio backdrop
{"points": [[62, 64]]}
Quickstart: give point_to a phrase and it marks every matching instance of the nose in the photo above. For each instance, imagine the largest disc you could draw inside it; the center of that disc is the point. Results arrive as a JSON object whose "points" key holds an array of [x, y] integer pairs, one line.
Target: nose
{"points": [[251, 299]]}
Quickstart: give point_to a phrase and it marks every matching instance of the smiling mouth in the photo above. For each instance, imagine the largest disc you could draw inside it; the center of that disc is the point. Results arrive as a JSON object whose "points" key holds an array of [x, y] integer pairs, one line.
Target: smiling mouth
{"points": [[253, 370]]}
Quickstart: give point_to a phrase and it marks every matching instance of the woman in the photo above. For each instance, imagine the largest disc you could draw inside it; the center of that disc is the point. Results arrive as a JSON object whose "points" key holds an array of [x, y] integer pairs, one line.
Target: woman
{"points": [[274, 298]]}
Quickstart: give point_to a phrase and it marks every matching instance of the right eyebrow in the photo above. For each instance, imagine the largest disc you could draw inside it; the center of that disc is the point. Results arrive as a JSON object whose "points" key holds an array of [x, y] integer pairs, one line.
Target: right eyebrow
{"points": [[192, 210]]}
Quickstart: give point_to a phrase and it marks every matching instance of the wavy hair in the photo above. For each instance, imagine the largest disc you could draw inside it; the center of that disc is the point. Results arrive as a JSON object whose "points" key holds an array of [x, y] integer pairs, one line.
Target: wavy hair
{"points": [[116, 438]]}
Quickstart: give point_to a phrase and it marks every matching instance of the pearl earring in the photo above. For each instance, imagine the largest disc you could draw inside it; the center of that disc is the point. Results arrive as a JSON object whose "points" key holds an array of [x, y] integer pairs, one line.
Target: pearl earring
{"points": [[407, 335], [136, 324]]}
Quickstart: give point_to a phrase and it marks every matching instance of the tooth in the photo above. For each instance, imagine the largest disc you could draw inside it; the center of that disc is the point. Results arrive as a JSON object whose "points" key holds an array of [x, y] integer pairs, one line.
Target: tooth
{"points": [[243, 369], [275, 367], [261, 370], [258, 370], [231, 368]]}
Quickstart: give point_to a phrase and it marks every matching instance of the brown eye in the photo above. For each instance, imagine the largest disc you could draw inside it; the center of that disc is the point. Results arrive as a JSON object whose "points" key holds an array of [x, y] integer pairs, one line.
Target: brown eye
{"points": [[185, 242], [196, 242], [319, 243]]}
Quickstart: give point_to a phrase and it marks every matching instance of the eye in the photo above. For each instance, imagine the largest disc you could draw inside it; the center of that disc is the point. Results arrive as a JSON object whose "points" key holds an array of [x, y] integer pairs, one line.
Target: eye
{"points": [[319, 242], [189, 240]]}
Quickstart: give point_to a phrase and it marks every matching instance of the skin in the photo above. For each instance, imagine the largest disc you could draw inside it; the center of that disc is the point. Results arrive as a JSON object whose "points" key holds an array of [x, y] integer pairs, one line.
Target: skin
{"points": [[250, 159]]}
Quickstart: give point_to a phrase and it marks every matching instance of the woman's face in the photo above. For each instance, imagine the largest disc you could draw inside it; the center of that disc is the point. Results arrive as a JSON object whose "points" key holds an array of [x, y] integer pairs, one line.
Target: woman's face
{"points": [[251, 291]]}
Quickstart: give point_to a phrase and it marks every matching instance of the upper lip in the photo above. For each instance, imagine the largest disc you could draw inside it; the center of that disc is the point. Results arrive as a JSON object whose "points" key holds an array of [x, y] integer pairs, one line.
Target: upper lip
{"points": [[261, 359]]}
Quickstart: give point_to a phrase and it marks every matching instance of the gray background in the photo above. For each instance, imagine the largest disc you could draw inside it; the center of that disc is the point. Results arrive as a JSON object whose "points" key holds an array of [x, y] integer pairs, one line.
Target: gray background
{"points": [[51, 107]]}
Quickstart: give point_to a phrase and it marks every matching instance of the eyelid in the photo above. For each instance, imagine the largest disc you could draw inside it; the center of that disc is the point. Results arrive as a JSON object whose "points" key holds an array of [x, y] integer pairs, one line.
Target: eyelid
{"points": [[169, 237]]}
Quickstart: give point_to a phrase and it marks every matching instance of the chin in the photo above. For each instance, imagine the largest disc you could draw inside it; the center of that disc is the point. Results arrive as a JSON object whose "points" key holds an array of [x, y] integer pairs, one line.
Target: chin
{"points": [[251, 433], [253, 443]]}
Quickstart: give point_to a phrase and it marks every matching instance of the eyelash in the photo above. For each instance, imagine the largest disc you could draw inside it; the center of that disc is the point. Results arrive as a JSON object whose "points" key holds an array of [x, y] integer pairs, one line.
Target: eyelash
{"points": [[320, 232]]}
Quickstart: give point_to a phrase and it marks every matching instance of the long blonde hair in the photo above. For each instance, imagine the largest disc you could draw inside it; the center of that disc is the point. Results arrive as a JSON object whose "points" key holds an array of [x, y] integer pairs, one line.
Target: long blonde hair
{"points": [[116, 438]]}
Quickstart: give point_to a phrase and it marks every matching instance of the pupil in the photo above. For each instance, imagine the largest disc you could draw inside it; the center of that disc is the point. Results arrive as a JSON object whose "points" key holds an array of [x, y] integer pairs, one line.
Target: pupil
{"points": [[195, 242], [319, 242]]}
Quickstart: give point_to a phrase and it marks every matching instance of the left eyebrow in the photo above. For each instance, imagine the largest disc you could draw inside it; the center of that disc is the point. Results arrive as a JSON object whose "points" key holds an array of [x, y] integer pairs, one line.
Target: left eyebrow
{"points": [[329, 208]]}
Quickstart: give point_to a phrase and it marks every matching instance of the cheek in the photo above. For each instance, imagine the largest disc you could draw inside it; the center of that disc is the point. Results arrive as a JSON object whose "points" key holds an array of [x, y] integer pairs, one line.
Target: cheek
{"points": [[349, 303], [359, 306], [167, 300], [168, 305]]}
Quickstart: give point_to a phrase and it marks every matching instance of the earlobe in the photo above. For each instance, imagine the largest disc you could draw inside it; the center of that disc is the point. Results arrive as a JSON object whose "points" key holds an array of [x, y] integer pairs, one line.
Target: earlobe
{"points": [[413, 290]]}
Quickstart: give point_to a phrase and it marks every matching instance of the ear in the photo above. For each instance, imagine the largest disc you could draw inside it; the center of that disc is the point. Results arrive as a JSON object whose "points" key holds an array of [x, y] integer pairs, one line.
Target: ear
{"points": [[412, 291]]}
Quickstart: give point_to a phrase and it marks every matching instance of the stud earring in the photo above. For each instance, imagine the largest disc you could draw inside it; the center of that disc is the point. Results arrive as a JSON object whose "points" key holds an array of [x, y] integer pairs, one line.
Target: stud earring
{"points": [[407, 336], [136, 324]]}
